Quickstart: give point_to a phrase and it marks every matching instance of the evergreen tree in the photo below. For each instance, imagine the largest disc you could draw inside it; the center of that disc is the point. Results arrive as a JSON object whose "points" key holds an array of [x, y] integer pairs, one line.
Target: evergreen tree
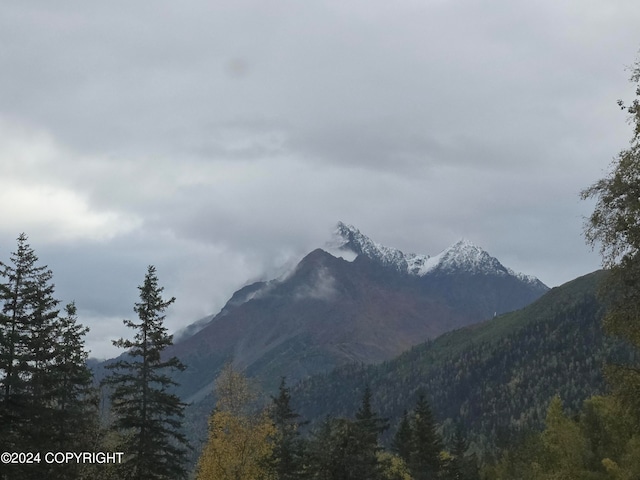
{"points": [[27, 349], [144, 409], [458, 450], [287, 456], [74, 407], [424, 461], [333, 451], [76, 400], [344, 449], [402, 441], [45, 394], [461, 466], [320, 460], [368, 427]]}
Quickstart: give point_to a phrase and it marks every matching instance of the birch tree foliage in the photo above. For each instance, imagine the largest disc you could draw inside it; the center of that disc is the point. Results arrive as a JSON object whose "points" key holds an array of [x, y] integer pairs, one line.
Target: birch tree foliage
{"points": [[239, 444], [614, 226]]}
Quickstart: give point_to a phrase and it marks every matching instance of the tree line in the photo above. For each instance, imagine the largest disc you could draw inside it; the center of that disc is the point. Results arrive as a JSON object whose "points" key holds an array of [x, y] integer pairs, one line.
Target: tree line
{"points": [[248, 441]]}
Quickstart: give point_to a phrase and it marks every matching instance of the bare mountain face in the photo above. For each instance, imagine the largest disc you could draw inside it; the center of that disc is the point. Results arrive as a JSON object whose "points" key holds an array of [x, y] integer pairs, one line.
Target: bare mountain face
{"points": [[363, 302]]}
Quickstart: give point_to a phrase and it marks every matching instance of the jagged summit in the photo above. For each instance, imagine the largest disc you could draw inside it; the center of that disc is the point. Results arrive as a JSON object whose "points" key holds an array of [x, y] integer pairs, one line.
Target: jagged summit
{"points": [[348, 237], [462, 256]]}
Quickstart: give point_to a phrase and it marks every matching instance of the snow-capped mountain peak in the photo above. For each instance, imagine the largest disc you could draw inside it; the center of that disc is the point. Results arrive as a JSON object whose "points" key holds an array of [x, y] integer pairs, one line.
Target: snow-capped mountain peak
{"points": [[464, 255], [461, 257], [348, 237]]}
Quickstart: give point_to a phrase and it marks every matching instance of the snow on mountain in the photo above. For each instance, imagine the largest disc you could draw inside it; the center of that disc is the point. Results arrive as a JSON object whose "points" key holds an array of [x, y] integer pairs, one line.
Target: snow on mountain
{"points": [[348, 242], [348, 237], [462, 256], [419, 264], [524, 277]]}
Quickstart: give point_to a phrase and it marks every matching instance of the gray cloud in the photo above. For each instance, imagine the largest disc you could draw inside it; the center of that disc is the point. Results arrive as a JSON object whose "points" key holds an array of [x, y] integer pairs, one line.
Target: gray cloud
{"points": [[321, 288]]}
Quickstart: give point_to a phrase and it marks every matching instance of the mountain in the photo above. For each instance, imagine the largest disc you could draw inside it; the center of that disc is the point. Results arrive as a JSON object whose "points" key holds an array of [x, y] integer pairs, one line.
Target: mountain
{"points": [[496, 377], [461, 257], [363, 302], [465, 275]]}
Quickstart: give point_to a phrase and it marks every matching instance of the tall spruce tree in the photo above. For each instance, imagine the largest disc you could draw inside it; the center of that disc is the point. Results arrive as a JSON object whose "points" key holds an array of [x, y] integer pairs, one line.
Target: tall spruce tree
{"points": [[332, 450], [44, 403], [26, 356], [144, 410], [402, 440], [75, 426], [288, 447], [461, 466], [319, 459], [27, 343], [426, 444], [368, 425], [76, 399], [345, 449]]}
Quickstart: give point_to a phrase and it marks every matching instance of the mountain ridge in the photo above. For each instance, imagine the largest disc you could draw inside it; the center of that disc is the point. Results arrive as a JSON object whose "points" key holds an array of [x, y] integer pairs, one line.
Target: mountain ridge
{"points": [[462, 255], [461, 258]]}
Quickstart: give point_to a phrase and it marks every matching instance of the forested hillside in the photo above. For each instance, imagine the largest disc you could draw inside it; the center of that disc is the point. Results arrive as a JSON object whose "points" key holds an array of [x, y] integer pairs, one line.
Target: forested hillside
{"points": [[513, 397], [496, 379]]}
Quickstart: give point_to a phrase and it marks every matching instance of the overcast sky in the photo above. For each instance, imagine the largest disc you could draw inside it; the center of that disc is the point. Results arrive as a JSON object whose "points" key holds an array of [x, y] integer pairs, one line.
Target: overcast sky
{"points": [[219, 140]]}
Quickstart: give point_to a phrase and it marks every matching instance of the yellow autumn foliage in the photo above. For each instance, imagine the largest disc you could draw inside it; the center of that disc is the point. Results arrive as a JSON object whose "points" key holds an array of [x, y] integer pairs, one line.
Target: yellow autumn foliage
{"points": [[237, 449], [239, 439]]}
